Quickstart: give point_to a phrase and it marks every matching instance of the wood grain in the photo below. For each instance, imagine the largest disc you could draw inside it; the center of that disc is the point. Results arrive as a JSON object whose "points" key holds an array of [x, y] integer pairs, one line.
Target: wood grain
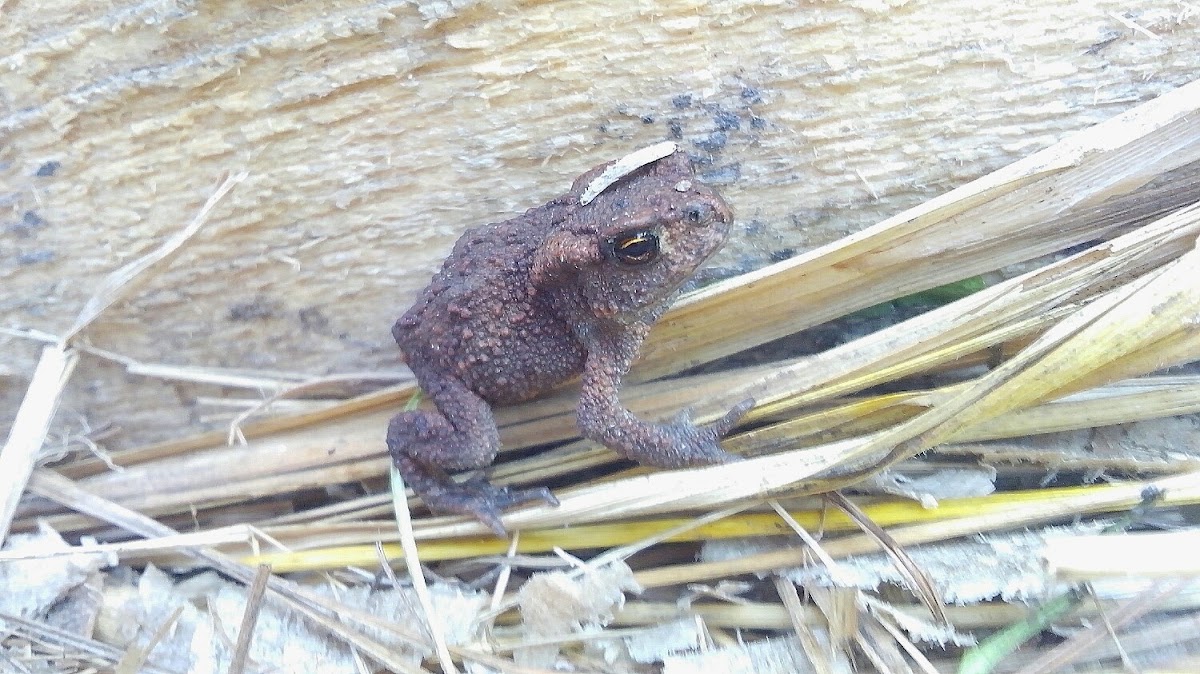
{"points": [[374, 131]]}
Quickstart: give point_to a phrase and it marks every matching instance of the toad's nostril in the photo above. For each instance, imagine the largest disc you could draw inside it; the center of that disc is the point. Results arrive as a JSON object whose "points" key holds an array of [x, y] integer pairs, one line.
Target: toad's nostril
{"points": [[698, 213]]}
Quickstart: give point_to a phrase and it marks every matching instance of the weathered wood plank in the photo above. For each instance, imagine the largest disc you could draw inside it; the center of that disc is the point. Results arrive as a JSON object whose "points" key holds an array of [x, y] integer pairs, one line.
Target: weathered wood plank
{"points": [[375, 131]]}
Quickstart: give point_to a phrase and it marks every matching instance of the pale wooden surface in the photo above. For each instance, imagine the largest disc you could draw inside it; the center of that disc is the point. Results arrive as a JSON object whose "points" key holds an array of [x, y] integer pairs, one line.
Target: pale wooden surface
{"points": [[374, 132]]}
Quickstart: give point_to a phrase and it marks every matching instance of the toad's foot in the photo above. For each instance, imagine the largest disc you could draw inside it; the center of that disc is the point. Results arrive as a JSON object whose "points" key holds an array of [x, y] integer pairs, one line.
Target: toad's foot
{"points": [[701, 445], [482, 500], [678, 443]]}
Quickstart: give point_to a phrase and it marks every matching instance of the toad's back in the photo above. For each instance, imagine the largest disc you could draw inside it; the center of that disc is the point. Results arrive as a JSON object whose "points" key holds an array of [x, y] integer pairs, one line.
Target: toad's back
{"points": [[482, 321]]}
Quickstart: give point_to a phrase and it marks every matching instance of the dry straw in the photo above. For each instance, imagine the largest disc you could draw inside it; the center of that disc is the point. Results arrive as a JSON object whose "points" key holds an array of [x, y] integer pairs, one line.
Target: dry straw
{"points": [[1072, 344]]}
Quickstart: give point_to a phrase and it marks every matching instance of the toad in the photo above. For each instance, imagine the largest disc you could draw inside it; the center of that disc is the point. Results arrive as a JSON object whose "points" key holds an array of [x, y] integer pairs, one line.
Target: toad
{"points": [[568, 288]]}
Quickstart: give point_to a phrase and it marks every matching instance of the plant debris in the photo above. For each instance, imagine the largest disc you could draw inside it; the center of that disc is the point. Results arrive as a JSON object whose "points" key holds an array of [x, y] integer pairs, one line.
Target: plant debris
{"points": [[978, 487]]}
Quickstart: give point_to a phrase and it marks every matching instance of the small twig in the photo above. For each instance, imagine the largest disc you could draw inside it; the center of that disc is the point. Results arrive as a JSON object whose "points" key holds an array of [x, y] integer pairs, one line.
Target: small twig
{"points": [[813, 650], [922, 586], [1102, 613], [905, 643], [236, 533], [132, 276], [32, 334], [808, 538], [254, 600], [135, 658], [19, 454], [409, 543], [501, 587], [235, 427]]}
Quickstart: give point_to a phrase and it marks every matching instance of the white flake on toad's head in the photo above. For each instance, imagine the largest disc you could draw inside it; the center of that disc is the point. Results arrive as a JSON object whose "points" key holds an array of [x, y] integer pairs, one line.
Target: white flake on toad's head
{"points": [[624, 166]]}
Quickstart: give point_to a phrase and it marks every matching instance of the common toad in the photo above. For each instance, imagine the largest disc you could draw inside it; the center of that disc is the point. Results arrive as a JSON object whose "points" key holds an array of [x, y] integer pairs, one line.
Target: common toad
{"points": [[522, 305]]}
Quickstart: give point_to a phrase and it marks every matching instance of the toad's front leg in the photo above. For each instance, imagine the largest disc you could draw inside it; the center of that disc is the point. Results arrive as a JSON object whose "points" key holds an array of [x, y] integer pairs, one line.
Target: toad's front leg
{"points": [[459, 435], [603, 418]]}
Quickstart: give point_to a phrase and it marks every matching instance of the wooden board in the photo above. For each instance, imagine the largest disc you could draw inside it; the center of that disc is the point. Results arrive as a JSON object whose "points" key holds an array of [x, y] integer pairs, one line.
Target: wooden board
{"points": [[374, 132]]}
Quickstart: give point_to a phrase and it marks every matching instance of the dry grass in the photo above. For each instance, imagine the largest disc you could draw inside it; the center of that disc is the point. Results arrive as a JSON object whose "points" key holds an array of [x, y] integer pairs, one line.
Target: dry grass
{"points": [[1074, 343]]}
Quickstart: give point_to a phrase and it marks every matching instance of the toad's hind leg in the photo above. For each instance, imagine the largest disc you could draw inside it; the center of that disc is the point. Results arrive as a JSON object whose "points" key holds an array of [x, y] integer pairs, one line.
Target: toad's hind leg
{"points": [[459, 435]]}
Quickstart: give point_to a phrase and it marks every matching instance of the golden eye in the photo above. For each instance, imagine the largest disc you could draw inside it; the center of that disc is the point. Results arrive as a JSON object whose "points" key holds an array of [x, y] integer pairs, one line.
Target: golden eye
{"points": [[635, 247]]}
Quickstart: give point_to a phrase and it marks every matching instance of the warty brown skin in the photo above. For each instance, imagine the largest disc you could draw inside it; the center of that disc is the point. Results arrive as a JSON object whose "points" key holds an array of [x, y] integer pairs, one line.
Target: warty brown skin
{"points": [[522, 305]]}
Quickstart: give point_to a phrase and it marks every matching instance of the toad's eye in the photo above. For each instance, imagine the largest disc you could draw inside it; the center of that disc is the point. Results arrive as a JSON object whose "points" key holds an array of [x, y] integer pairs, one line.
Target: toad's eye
{"points": [[696, 213], [635, 247]]}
